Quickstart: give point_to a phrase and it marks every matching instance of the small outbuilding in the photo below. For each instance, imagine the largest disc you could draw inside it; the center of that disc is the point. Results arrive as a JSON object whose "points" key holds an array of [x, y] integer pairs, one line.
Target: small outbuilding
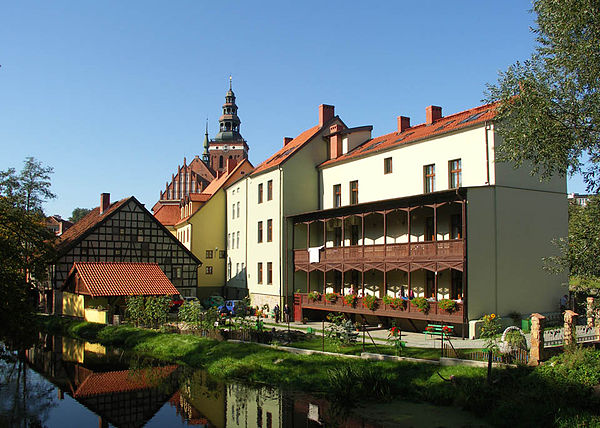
{"points": [[96, 290]]}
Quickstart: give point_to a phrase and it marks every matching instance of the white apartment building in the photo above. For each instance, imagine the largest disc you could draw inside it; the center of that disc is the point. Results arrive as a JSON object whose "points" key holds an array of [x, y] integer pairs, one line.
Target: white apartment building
{"points": [[237, 215]]}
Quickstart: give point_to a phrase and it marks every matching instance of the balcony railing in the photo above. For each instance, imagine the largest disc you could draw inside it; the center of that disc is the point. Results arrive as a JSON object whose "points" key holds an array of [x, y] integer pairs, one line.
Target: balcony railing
{"points": [[390, 252], [407, 310]]}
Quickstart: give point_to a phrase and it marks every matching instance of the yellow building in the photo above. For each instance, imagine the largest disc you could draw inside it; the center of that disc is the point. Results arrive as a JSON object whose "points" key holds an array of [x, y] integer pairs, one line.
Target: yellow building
{"points": [[203, 229]]}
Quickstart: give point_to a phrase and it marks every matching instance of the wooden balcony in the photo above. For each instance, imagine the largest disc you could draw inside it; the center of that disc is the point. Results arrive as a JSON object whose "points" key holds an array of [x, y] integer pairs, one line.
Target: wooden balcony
{"points": [[408, 311], [415, 251]]}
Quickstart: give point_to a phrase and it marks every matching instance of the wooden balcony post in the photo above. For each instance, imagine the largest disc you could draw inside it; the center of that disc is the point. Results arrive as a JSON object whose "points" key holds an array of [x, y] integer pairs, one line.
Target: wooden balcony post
{"points": [[435, 229], [384, 235], [435, 284], [343, 285], [324, 234], [409, 231], [307, 235], [324, 282], [362, 280], [384, 282], [362, 221]]}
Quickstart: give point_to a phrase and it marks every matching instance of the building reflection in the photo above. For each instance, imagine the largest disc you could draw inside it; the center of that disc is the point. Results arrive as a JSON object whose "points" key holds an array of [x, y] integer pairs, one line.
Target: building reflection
{"points": [[127, 393]]}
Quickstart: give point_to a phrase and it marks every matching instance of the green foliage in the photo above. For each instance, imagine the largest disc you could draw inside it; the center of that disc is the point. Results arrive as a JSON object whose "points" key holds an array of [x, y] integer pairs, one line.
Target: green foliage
{"points": [[352, 383], [191, 313], [370, 302], [331, 297], [25, 245], [394, 302], [395, 337], [579, 252], [78, 214], [549, 112], [421, 303], [340, 331], [148, 311], [314, 296], [350, 299], [490, 331], [447, 305]]}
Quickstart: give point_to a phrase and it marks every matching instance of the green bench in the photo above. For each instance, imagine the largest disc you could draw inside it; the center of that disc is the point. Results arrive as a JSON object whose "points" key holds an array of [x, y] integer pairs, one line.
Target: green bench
{"points": [[439, 330]]}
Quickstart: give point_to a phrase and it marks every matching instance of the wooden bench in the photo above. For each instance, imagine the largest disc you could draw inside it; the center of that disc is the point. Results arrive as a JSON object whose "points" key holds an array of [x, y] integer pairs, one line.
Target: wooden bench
{"points": [[439, 330]]}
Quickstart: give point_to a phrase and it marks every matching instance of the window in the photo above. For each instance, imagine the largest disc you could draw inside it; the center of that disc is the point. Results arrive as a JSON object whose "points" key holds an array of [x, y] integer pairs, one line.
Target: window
{"points": [[354, 192], [455, 226], [260, 228], [233, 211], [221, 254], [177, 272], [259, 273], [430, 285], [269, 190], [209, 254], [229, 270], [237, 240], [228, 240], [242, 267], [260, 193], [428, 178], [337, 195], [354, 235], [238, 210], [387, 166], [269, 230], [455, 171], [456, 285], [237, 269], [209, 270], [269, 273], [145, 249]]}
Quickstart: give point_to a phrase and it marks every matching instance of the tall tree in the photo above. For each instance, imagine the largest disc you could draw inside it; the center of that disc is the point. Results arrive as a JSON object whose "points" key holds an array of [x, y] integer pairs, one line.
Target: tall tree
{"points": [[25, 243], [549, 105], [78, 214]]}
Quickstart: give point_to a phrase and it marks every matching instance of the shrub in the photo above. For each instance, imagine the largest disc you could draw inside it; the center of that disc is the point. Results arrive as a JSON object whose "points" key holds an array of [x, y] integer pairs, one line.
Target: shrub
{"points": [[370, 302], [314, 296], [421, 303], [448, 305], [350, 299], [331, 297]]}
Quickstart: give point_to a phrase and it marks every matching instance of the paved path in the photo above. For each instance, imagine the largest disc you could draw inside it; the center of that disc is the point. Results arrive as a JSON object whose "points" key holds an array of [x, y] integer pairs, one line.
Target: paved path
{"points": [[416, 340]]}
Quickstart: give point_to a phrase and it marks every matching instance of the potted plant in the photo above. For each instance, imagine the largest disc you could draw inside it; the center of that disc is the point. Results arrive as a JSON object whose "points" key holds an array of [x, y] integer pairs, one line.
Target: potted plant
{"points": [[314, 296], [448, 305], [370, 302], [331, 297], [421, 304], [350, 299]]}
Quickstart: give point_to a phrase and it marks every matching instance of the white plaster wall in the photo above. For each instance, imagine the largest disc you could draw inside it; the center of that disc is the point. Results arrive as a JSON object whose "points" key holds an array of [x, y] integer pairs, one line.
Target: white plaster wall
{"points": [[236, 254], [265, 251], [407, 168]]}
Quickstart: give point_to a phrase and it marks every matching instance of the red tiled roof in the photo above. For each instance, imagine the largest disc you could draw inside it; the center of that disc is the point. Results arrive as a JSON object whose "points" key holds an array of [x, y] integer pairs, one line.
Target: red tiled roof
{"points": [[123, 279], [122, 381], [199, 197], [168, 215], [288, 150], [441, 126], [82, 226]]}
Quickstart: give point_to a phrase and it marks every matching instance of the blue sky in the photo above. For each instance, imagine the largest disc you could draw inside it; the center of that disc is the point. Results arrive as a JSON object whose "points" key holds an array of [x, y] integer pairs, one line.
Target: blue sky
{"points": [[114, 94]]}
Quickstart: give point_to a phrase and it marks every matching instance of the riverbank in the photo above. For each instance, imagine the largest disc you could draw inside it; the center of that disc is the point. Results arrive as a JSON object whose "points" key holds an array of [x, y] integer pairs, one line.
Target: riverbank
{"points": [[518, 397]]}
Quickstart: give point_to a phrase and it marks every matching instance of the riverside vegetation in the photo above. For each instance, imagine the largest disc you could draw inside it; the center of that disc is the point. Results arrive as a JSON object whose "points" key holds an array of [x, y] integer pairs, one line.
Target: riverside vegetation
{"points": [[558, 393]]}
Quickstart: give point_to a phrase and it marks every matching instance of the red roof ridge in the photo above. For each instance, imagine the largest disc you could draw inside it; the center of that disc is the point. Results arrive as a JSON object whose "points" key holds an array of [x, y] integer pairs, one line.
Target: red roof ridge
{"points": [[418, 132]]}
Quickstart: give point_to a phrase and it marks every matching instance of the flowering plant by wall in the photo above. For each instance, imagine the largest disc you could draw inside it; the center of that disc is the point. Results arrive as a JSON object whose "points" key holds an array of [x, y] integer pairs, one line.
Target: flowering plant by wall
{"points": [[421, 303], [350, 299], [370, 302], [331, 297], [448, 305], [395, 337], [314, 296]]}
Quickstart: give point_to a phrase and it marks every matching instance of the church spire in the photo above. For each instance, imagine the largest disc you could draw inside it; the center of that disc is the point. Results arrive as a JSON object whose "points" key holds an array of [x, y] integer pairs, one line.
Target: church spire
{"points": [[205, 157], [229, 122]]}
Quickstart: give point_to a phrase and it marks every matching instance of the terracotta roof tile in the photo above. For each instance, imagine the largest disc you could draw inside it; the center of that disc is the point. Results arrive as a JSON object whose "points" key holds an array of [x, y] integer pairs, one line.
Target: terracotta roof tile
{"points": [[288, 150], [441, 126], [123, 279], [123, 381], [168, 215], [86, 223]]}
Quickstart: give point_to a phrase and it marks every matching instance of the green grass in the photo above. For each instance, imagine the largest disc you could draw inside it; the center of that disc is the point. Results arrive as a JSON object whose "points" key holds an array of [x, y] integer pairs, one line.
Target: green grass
{"points": [[557, 393]]}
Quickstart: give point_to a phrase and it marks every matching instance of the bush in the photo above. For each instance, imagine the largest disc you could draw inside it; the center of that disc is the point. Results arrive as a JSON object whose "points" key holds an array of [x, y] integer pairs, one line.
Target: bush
{"points": [[370, 302]]}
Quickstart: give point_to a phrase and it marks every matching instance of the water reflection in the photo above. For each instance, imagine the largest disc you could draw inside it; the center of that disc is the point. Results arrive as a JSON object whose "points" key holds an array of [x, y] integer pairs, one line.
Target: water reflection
{"points": [[75, 383]]}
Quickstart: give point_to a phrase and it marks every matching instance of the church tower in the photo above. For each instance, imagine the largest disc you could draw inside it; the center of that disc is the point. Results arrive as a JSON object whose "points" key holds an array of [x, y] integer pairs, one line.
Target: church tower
{"points": [[228, 143]]}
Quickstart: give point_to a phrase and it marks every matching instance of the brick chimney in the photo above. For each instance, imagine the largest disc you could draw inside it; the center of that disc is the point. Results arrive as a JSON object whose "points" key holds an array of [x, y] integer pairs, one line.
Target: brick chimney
{"points": [[231, 164], [326, 113], [433, 113], [335, 141], [104, 202], [286, 141], [403, 123]]}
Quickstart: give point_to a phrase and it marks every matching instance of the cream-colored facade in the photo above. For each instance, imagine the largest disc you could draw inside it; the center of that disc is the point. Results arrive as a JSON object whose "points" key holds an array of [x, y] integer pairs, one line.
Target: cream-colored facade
{"points": [[237, 217]]}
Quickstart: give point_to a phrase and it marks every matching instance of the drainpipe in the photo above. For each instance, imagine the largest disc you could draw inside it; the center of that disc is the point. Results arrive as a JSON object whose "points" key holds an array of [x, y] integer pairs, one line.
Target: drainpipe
{"points": [[487, 153]]}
